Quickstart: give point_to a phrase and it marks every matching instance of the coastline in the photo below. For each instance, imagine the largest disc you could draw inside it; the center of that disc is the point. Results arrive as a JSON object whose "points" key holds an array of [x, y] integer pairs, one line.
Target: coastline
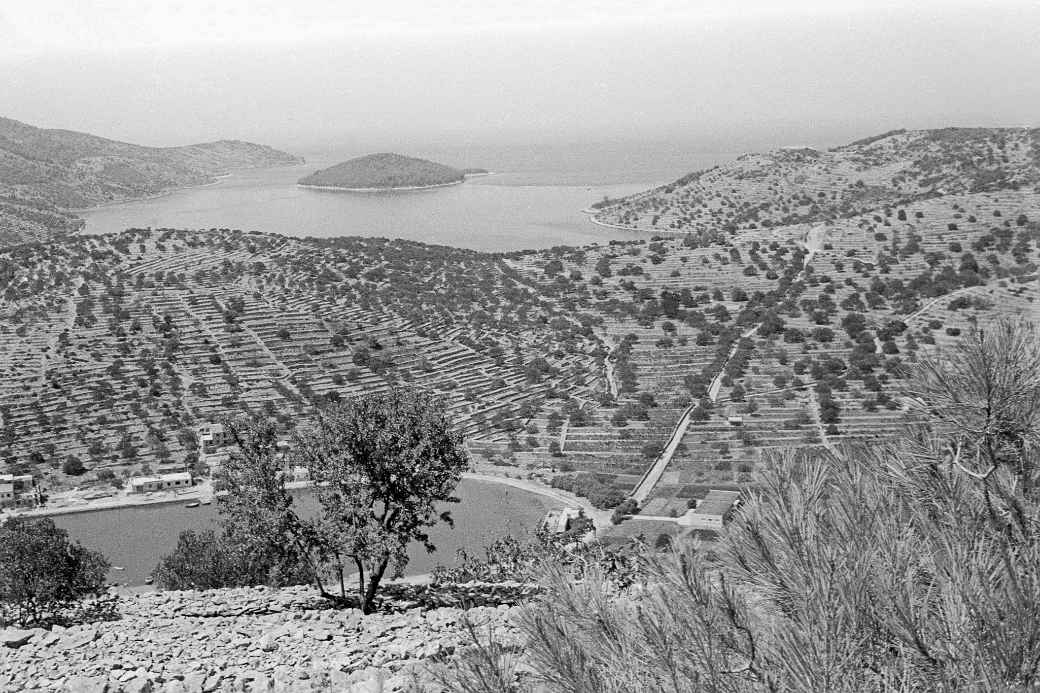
{"points": [[337, 188], [154, 196], [204, 492], [216, 179], [591, 214], [201, 492]]}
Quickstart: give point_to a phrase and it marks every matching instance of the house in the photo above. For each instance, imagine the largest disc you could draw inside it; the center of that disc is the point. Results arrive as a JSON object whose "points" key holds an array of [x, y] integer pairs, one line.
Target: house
{"points": [[733, 417], [559, 521], [20, 483], [212, 437], [16, 488], [295, 474], [162, 482], [712, 512]]}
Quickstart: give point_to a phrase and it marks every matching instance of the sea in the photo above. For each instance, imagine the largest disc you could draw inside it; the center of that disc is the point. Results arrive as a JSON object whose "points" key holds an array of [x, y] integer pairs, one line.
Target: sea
{"points": [[134, 539], [533, 198]]}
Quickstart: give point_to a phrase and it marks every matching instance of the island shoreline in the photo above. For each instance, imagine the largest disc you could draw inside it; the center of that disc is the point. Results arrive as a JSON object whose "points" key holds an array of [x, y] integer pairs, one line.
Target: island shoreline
{"points": [[337, 188]]}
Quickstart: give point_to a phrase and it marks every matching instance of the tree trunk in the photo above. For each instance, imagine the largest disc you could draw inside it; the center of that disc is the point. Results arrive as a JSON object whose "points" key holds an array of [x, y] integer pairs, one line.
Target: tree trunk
{"points": [[369, 594]]}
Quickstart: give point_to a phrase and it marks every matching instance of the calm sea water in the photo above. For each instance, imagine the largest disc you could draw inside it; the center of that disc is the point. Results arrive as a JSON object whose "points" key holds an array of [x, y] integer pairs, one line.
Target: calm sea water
{"points": [[533, 200], [136, 538]]}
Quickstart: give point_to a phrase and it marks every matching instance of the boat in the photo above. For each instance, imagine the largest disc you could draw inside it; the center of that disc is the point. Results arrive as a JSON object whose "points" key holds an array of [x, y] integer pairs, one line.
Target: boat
{"points": [[192, 505], [148, 580], [118, 567], [206, 502]]}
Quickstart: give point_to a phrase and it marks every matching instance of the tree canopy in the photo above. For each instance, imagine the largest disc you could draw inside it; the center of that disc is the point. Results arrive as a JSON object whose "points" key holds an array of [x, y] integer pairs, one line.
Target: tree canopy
{"points": [[44, 575]]}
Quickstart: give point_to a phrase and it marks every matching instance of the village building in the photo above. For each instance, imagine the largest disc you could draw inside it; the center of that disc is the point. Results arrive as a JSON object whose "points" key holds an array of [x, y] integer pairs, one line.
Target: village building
{"points": [[712, 512], [17, 489], [297, 474], [212, 437], [161, 482], [560, 521]]}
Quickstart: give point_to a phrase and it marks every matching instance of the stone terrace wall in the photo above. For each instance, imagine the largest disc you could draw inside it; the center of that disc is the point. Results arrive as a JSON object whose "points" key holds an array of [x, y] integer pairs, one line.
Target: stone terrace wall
{"points": [[253, 639]]}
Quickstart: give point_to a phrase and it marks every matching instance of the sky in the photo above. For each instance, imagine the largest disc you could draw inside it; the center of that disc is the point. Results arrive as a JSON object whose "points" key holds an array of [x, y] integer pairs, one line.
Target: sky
{"points": [[720, 76]]}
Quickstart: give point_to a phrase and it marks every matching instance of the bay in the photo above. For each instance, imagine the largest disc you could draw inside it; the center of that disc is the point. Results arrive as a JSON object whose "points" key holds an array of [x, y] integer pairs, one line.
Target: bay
{"points": [[533, 199], [136, 538]]}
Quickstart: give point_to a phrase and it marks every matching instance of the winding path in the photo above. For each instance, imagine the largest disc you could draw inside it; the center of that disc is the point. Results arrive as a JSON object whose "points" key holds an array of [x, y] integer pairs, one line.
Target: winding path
{"points": [[656, 471]]}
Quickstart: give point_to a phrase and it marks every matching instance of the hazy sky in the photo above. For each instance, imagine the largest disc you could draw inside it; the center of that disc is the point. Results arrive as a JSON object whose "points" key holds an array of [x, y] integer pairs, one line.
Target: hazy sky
{"points": [[730, 74]]}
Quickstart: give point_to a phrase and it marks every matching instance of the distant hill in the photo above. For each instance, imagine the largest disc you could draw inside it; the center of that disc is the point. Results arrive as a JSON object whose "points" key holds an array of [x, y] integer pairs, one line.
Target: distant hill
{"points": [[46, 173], [796, 185], [387, 172]]}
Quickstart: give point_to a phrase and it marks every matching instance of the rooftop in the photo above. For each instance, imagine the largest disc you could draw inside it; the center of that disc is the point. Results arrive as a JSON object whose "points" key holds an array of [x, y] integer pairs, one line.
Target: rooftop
{"points": [[717, 502]]}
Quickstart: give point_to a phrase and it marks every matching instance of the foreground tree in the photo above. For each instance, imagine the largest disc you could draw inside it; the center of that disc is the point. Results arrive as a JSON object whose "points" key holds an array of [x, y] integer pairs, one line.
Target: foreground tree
{"points": [[984, 394], [382, 465], [263, 539], [43, 575]]}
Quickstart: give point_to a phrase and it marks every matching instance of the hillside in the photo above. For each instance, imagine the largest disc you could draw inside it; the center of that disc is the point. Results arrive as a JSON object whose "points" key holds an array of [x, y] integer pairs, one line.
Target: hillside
{"points": [[46, 173], [573, 365], [803, 185], [386, 171]]}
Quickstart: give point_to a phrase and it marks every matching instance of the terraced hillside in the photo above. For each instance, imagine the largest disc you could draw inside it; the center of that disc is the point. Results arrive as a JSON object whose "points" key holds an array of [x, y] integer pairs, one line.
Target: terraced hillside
{"points": [[46, 174], [658, 368]]}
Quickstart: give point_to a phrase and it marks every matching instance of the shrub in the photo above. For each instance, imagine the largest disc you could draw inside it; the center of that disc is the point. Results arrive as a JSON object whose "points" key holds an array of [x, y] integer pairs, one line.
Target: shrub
{"points": [[627, 507], [73, 466], [955, 505], [44, 577]]}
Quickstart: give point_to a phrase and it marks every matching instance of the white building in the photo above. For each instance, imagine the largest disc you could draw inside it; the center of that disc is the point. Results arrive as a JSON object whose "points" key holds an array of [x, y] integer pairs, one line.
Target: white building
{"points": [[559, 521], [212, 437], [16, 487], [162, 482], [712, 512]]}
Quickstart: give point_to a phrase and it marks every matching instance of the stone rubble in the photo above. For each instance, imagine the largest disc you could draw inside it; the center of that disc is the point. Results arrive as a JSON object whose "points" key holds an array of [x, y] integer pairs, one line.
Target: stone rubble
{"points": [[255, 639]]}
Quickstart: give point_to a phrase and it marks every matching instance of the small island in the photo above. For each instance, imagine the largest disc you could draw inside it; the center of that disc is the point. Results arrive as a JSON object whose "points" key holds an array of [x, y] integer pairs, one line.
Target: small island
{"points": [[385, 172]]}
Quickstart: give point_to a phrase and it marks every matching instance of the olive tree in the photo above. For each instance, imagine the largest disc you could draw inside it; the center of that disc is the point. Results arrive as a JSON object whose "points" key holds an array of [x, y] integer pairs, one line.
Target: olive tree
{"points": [[383, 466], [264, 536], [44, 575]]}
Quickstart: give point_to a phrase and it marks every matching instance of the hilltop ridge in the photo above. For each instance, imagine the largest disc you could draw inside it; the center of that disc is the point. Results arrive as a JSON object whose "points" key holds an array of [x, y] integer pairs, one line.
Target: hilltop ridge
{"points": [[804, 185], [46, 174]]}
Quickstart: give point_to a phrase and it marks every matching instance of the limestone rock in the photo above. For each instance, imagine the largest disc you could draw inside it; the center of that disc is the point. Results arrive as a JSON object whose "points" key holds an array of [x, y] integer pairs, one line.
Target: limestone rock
{"points": [[87, 684], [138, 684], [15, 638]]}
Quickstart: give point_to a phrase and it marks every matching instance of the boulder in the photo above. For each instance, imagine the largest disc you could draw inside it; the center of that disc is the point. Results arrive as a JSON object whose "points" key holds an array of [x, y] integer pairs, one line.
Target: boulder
{"points": [[87, 684], [138, 684], [14, 638], [73, 640]]}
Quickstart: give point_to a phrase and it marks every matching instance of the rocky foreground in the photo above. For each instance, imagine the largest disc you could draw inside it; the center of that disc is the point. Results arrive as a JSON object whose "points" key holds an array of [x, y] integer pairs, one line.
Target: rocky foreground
{"points": [[256, 639]]}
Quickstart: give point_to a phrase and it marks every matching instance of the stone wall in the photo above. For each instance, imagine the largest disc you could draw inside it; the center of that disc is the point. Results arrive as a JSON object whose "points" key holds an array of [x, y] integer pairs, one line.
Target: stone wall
{"points": [[257, 639]]}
